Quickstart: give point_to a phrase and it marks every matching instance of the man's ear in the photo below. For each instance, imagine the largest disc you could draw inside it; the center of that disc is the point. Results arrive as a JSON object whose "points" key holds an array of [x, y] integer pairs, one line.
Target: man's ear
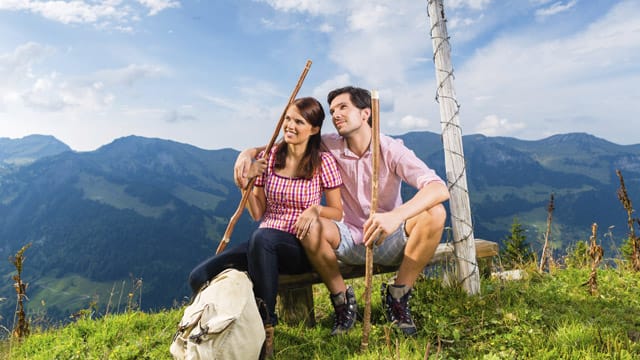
{"points": [[366, 113]]}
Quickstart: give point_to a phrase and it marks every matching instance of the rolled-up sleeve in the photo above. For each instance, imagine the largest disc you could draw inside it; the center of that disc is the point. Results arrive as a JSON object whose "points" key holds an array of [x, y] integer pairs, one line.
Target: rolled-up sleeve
{"points": [[409, 167]]}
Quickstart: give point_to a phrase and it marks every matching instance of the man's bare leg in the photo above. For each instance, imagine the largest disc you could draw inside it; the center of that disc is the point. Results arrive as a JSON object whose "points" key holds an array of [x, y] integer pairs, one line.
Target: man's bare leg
{"points": [[425, 231]]}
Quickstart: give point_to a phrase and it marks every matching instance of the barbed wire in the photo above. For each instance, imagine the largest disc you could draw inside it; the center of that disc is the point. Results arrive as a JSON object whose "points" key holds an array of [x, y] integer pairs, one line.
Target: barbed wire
{"points": [[441, 43]]}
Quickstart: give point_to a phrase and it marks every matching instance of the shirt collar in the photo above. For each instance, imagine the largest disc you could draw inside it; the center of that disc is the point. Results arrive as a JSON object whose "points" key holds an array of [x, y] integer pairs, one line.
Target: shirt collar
{"points": [[348, 153]]}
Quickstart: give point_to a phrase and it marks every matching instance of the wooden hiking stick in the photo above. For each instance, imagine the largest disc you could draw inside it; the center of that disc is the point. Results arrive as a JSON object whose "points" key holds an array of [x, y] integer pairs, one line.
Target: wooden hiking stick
{"points": [[375, 159], [245, 195]]}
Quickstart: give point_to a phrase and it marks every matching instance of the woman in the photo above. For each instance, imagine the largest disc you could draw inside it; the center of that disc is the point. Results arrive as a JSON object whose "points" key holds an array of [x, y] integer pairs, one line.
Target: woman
{"points": [[286, 199]]}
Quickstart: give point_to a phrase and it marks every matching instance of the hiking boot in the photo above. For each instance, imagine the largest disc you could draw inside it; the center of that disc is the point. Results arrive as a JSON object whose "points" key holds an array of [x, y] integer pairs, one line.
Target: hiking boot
{"points": [[346, 309], [267, 347], [395, 299]]}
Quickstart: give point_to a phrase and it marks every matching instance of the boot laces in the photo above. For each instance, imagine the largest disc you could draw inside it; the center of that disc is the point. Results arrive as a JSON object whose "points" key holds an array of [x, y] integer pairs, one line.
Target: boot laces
{"points": [[400, 310]]}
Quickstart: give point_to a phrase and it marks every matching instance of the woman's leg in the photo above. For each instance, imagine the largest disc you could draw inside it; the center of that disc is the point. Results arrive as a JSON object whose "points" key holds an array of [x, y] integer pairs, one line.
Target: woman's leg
{"points": [[235, 257], [270, 253]]}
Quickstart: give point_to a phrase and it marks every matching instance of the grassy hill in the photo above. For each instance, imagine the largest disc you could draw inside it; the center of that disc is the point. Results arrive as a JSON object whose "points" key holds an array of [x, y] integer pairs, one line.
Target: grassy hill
{"points": [[544, 316]]}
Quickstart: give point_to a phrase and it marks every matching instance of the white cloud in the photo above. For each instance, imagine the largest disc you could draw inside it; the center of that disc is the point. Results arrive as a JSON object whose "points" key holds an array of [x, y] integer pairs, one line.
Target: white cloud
{"points": [[19, 62], [555, 8], [279, 24], [382, 48], [540, 2], [53, 93], [313, 7], [410, 122], [375, 42], [320, 92], [260, 89], [225, 103], [371, 18], [16, 70], [175, 116], [520, 75], [555, 84], [492, 125], [114, 14], [130, 74], [68, 12], [35, 93], [43, 96], [456, 23], [244, 121], [156, 6], [472, 4], [512, 76], [326, 28]]}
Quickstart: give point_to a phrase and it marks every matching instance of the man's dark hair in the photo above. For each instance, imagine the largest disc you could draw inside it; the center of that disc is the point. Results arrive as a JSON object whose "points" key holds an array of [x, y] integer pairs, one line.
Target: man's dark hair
{"points": [[360, 97]]}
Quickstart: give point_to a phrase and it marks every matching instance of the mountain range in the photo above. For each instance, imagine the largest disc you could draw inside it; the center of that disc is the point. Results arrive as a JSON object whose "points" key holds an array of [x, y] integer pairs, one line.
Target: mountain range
{"points": [[140, 213]]}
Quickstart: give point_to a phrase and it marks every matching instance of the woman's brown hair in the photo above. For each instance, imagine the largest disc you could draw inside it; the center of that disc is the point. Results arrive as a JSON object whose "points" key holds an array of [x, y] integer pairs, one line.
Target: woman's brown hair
{"points": [[311, 110]]}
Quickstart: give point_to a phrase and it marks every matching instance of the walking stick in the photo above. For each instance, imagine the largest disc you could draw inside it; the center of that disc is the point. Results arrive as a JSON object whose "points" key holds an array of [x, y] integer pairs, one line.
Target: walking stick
{"points": [[375, 159], [245, 195]]}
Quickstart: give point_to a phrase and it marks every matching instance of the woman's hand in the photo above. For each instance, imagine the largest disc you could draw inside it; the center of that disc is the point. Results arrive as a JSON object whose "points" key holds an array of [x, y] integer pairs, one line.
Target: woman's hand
{"points": [[306, 220]]}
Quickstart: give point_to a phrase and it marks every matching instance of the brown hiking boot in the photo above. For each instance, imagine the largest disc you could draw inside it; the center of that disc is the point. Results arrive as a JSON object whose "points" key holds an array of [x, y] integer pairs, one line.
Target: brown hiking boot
{"points": [[267, 347]]}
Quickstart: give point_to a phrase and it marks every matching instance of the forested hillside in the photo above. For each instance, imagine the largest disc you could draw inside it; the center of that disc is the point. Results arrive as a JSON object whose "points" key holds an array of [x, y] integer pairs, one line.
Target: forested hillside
{"points": [[136, 209], [137, 214]]}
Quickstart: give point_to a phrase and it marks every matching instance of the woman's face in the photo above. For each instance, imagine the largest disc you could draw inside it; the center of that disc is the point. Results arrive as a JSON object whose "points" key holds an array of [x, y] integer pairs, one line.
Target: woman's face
{"points": [[296, 129]]}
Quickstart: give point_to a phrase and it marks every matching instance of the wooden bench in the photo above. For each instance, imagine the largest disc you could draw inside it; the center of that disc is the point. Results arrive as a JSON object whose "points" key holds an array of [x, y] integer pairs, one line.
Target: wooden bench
{"points": [[295, 300]]}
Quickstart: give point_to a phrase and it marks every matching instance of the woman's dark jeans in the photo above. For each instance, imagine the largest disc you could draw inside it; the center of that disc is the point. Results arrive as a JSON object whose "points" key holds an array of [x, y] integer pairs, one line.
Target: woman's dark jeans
{"points": [[267, 254]]}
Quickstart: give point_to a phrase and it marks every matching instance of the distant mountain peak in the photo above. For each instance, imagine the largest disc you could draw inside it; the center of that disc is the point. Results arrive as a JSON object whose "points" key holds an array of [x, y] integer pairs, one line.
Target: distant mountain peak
{"points": [[134, 141], [33, 138], [29, 149], [577, 137]]}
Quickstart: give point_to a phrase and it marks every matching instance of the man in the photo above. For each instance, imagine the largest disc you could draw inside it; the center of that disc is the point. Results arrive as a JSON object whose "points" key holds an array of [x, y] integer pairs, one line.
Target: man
{"points": [[405, 234]]}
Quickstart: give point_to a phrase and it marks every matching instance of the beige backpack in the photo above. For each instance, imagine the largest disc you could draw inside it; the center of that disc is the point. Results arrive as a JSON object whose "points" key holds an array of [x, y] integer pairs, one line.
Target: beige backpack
{"points": [[223, 321]]}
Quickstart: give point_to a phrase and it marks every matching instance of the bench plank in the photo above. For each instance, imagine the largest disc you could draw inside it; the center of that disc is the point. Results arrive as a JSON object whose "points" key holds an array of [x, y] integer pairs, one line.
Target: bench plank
{"points": [[295, 300]]}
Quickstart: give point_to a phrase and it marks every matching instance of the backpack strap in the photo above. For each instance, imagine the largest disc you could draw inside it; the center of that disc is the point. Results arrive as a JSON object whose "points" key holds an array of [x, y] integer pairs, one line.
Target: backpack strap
{"points": [[264, 312]]}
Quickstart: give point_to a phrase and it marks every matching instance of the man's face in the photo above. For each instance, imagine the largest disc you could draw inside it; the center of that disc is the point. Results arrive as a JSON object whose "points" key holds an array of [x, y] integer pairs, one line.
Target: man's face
{"points": [[346, 117]]}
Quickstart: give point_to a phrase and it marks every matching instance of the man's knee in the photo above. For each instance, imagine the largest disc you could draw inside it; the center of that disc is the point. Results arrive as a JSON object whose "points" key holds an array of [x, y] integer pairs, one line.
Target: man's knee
{"points": [[429, 220], [438, 215]]}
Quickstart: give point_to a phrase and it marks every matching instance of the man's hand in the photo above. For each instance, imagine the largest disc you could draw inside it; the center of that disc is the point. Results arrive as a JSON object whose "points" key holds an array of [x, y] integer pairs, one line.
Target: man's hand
{"points": [[379, 226], [257, 168], [242, 167]]}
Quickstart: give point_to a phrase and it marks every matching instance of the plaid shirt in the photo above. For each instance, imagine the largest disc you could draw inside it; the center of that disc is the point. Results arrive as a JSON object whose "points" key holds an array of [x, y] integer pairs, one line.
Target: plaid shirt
{"points": [[288, 197]]}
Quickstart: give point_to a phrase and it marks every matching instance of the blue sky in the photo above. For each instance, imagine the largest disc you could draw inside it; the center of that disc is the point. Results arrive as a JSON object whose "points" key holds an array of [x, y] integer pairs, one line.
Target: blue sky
{"points": [[218, 73]]}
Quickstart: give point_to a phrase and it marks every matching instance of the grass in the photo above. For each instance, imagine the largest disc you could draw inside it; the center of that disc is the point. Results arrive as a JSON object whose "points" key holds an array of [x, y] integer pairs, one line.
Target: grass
{"points": [[548, 316], [100, 189], [67, 292]]}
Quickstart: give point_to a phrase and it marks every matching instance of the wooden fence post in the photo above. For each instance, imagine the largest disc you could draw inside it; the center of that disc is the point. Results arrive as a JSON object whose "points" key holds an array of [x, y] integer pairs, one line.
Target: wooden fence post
{"points": [[461, 225]]}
